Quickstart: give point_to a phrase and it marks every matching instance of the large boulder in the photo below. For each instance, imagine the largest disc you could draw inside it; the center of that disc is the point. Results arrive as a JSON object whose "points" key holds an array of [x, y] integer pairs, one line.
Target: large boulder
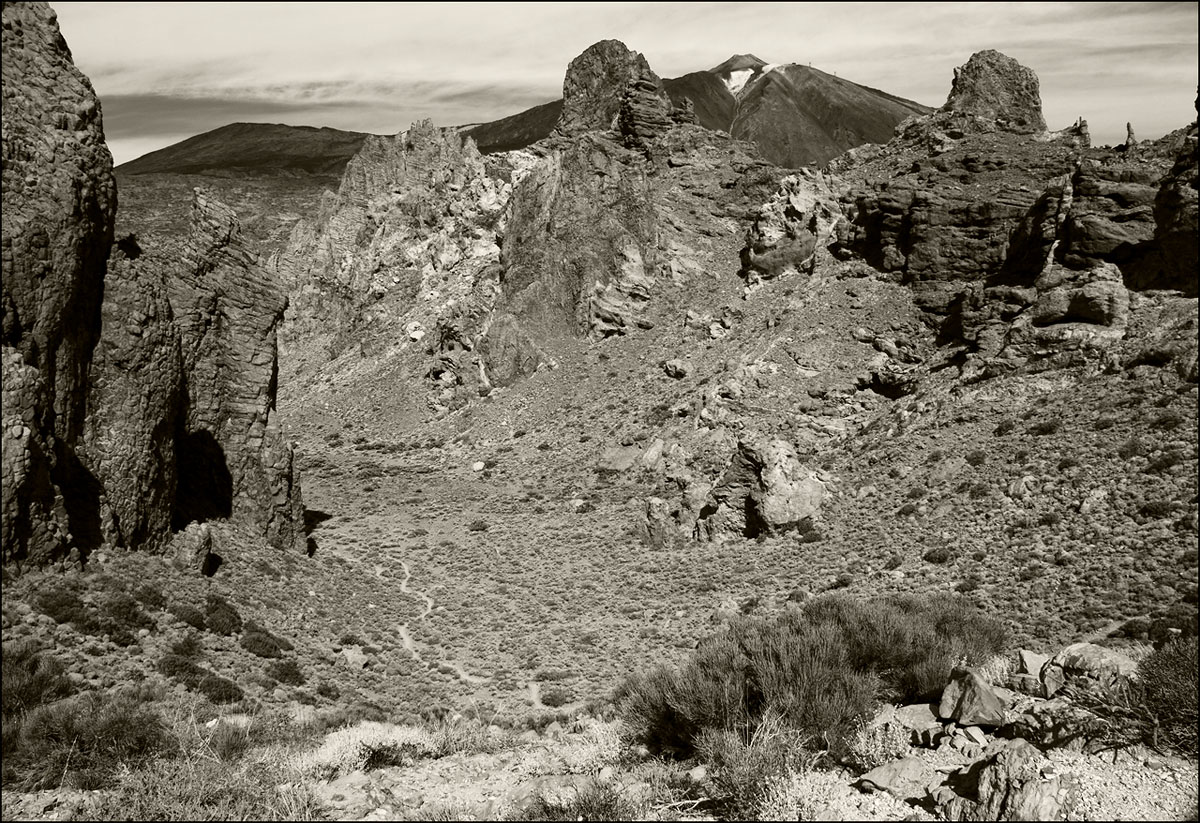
{"points": [[1015, 783], [969, 700], [765, 489], [59, 201]]}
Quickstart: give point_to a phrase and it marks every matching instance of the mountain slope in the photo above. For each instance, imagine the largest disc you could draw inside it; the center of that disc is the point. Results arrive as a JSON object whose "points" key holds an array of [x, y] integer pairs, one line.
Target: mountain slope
{"points": [[798, 115], [254, 147], [515, 131]]}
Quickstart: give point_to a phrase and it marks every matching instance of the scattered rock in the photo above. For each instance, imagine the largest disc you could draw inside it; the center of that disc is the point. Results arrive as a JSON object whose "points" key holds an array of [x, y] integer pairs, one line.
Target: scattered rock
{"points": [[970, 701]]}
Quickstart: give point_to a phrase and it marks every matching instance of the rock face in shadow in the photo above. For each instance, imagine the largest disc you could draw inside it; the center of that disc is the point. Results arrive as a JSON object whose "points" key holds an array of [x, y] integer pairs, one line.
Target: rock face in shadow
{"points": [[59, 201], [137, 400], [1176, 221]]}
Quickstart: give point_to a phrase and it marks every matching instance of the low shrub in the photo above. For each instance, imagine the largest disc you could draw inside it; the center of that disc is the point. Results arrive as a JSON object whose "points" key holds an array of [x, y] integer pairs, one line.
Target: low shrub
{"points": [[123, 610], [977, 457], [556, 696], [286, 672], [150, 596], [365, 746], [938, 555], [63, 605], [1006, 425], [84, 741], [219, 690], [189, 646], [818, 670], [220, 617], [1133, 447], [181, 670], [30, 679], [262, 644], [593, 801], [202, 788], [1045, 427], [1170, 690], [187, 614]]}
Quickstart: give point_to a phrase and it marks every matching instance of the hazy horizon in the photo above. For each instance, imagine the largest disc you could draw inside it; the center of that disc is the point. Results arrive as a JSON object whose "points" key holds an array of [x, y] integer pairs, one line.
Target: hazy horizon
{"points": [[168, 71]]}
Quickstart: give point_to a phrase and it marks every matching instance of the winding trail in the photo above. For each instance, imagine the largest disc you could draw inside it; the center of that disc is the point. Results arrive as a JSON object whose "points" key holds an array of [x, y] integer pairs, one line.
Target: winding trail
{"points": [[410, 645]]}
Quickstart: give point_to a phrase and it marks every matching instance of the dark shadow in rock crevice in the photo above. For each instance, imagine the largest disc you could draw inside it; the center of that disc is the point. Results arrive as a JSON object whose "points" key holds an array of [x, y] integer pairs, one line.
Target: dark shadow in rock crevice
{"points": [[81, 493], [205, 489], [312, 521]]}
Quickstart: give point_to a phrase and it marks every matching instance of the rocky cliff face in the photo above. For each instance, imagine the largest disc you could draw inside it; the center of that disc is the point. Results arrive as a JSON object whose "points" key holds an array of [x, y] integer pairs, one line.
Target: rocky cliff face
{"points": [[59, 200], [138, 400], [1023, 242], [237, 461]]}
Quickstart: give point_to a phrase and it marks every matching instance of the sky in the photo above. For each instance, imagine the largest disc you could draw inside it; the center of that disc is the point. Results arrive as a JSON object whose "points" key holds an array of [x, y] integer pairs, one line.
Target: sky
{"points": [[167, 71]]}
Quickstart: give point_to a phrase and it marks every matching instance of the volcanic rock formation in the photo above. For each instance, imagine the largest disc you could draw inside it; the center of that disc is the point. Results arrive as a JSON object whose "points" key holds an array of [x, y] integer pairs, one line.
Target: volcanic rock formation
{"points": [[170, 418], [59, 200], [994, 87]]}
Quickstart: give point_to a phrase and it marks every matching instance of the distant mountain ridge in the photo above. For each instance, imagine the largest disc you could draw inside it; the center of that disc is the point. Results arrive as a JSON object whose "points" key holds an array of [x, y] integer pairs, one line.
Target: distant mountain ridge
{"points": [[795, 114], [262, 148]]}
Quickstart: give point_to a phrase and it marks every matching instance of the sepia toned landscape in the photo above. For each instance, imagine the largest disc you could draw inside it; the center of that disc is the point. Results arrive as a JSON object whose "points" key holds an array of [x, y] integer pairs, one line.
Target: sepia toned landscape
{"points": [[751, 444]]}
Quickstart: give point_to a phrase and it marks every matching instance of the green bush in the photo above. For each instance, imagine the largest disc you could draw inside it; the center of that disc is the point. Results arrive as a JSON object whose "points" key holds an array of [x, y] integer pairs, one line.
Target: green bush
{"points": [[181, 669], [187, 614], [123, 610], [84, 741], [818, 670], [262, 643], [1170, 692], [63, 605], [219, 690], [287, 672], [220, 617], [30, 679], [150, 596]]}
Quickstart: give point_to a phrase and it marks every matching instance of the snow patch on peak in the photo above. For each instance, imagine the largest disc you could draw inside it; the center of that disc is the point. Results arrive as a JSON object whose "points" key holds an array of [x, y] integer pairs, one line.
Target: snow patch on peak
{"points": [[738, 79]]}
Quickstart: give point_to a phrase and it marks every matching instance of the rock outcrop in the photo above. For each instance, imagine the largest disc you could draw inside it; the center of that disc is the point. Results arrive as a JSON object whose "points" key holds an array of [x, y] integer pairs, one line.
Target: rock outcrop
{"points": [[800, 220], [1176, 222], [181, 421], [994, 87], [131, 415], [235, 460], [609, 86], [136, 406], [765, 490], [59, 201], [580, 251]]}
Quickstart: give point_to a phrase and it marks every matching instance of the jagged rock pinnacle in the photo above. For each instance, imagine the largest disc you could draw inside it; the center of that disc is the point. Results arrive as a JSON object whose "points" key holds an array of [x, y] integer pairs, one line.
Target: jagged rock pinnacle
{"points": [[997, 87]]}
